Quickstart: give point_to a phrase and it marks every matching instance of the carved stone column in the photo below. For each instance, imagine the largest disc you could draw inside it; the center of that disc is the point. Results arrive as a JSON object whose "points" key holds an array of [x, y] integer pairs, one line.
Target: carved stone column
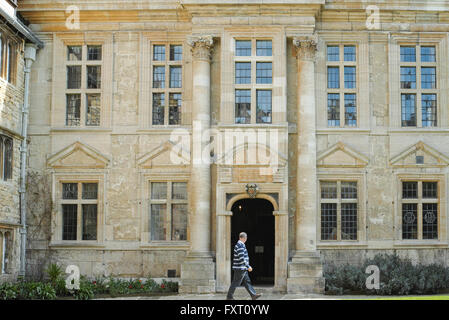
{"points": [[305, 270], [198, 269]]}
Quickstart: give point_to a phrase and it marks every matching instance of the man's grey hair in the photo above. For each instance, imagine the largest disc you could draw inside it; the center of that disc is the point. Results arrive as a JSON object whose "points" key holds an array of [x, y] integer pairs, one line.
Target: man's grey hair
{"points": [[243, 235]]}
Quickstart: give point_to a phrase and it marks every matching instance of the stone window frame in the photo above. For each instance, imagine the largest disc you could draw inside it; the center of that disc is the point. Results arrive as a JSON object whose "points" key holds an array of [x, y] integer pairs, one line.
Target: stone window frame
{"points": [[8, 58], [145, 104], [439, 40], [83, 91], [361, 42], [155, 175], [361, 210], [3, 150], [442, 223], [342, 91], [6, 240], [418, 91], [167, 63], [59, 84], [253, 86], [279, 75], [57, 225]]}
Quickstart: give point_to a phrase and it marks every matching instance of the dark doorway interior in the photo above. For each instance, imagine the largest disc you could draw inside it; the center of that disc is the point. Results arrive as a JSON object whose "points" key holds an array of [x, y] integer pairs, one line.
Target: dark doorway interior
{"points": [[255, 217]]}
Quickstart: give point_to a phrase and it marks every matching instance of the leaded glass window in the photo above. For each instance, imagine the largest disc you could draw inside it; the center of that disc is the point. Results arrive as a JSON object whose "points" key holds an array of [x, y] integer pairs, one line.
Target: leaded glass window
{"points": [[328, 221], [243, 48], [339, 210], [333, 77], [242, 106], [6, 155], [409, 221], [175, 77], [408, 107], [418, 86], [175, 108], [93, 111], [159, 77], [89, 221], [168, 211], [420, 203], [83, 84], [73, 112], [243, 72], [158, 108], [333, 109], [349, 221], [94, 53], [69, 221], [70, 191], [94, 77], [263, 106], [408, 54], [350, 109], [79, 203], [428, 54], [167, 82], [350, 53], [264, 73], [428, 78], [350, 78], [408, 77], [429, 110], [264, 48], [74, 77], [333, 53], [175, 52], [74, 53], [159, 53]]}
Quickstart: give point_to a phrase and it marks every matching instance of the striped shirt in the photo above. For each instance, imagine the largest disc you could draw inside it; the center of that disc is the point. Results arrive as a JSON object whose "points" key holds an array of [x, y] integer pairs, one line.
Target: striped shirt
{"points": [[241, 259]]}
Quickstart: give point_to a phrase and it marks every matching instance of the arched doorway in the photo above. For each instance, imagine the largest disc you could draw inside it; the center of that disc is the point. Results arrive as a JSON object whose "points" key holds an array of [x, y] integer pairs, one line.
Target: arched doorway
{"points": [[255, 217]]}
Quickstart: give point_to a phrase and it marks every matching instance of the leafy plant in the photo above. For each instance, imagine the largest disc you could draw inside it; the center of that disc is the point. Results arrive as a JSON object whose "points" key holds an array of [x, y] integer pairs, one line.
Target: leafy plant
{"points": [[398, 276], [86, 290], [8, 291]]}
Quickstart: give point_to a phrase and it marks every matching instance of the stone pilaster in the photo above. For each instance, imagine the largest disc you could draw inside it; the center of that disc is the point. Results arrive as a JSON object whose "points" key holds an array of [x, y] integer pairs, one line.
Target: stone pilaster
{"points": [[305, 272], [198, 270]]}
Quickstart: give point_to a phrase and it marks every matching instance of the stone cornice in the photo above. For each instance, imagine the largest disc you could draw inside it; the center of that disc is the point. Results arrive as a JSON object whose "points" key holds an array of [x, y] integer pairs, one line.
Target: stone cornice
{"points": [[202, 46], [305, 46]]}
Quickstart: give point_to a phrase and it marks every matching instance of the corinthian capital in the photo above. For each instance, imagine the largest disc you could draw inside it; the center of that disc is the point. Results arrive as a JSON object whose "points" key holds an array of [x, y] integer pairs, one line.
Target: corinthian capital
{"points": [[306, 47], [201, 46]]}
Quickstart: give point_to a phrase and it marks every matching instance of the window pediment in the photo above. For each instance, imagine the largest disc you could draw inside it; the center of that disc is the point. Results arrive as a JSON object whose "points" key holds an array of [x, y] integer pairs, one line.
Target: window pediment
{"points": [[419, 155], [340, 155], [78, 155], [167, 154]]}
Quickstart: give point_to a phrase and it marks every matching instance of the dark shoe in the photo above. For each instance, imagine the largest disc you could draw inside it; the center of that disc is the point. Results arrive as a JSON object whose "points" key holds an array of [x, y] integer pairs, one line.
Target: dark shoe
{"points": [[256, 296], [229, 298]]}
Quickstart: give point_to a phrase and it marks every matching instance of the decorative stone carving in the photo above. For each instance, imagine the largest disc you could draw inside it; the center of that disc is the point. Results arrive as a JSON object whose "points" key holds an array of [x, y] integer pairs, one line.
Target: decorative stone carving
{"points": [[251, 190], [306, 47], [201, 46]]}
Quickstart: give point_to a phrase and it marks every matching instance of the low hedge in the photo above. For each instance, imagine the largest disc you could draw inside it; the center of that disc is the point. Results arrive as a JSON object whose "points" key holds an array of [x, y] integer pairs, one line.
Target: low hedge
{"points": [[398, 276], [55, 287]]}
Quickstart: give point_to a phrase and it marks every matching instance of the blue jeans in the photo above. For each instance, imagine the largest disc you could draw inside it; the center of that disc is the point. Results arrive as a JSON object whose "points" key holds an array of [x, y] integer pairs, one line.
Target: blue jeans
{"points": [[239, 277]]}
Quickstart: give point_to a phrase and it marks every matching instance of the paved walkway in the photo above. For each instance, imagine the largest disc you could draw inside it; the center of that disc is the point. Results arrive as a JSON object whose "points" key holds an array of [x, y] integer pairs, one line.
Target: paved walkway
{"points": [[267, 294]]}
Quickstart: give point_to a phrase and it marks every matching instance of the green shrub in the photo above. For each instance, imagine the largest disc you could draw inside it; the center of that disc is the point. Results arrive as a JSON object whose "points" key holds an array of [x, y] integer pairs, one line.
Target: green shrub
{"points": [[55, 275], [8, 291], [35, 291], [398, 276], [86, 290]]}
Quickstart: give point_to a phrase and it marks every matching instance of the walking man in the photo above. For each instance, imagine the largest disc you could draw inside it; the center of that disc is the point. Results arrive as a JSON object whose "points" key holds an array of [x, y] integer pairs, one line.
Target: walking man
{"points": [[241, 268]]}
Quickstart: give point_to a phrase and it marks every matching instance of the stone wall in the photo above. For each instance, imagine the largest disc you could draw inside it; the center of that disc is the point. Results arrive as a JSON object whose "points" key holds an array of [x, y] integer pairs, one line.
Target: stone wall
{"points": [[124, 250], [11, 101]]}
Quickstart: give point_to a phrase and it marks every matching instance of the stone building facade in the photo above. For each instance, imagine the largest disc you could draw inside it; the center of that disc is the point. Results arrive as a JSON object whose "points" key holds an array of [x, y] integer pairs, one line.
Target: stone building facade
{"points": [[14, 38], [161, 129]]}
